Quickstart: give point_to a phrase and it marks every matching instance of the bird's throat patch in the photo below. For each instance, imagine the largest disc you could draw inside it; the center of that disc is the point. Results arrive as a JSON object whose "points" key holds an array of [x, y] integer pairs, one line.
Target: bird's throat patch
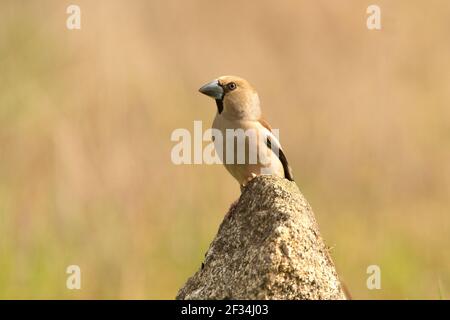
{"points": [[219, 103]]}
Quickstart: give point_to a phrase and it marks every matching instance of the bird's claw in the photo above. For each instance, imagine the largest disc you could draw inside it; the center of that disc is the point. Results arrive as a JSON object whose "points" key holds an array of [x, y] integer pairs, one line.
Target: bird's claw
{"points": [[252, 176]]}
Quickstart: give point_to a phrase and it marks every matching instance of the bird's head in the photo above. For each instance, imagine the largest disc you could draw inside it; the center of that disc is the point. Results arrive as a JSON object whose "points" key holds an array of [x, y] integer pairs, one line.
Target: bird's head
{"points": [[235, 97]]}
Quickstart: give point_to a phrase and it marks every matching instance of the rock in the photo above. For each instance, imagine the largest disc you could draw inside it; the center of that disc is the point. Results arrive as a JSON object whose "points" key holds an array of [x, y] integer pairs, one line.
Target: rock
{"points": [[267, 247]]}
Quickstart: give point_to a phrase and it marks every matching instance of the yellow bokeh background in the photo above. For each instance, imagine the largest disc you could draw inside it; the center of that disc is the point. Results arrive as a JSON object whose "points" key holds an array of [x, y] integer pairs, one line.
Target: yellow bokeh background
{"points": [[86, 117]]}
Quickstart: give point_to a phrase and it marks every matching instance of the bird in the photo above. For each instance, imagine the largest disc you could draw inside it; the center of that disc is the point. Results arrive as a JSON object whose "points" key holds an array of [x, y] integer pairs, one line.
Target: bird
{"points": [[239, 112]]}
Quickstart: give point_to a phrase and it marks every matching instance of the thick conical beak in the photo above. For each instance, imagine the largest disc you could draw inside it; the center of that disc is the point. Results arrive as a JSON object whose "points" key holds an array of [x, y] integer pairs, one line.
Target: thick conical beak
{"points": [[212, 89]]}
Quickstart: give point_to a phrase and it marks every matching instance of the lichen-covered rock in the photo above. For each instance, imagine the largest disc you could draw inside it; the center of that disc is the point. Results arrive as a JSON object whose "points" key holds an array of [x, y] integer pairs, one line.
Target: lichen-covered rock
{"points": [[268, 247]]}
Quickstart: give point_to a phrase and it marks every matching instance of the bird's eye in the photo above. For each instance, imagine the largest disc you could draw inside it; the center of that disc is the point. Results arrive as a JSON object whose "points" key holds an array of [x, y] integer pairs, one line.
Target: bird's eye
{"points": [[231, 86]]}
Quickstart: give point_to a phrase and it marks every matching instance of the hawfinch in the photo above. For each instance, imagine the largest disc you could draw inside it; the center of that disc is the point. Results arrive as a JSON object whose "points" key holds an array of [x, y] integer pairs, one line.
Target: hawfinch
{"points": [[259, 152]]}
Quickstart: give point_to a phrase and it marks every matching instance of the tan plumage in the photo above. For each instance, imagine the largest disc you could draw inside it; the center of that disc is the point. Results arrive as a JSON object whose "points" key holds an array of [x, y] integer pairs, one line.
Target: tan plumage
{"points": [[238, 107]]}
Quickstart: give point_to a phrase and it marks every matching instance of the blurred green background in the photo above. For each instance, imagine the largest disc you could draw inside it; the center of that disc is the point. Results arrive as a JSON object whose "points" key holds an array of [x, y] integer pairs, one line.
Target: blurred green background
{"points": [[86, 117]]}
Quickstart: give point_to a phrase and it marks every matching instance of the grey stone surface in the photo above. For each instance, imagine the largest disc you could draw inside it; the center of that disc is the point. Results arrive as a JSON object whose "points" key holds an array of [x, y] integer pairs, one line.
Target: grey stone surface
{"points": [[267, 247]]}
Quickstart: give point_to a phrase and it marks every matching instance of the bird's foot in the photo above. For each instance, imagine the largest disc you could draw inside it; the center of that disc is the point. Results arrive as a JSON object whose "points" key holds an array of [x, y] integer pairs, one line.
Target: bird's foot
{"points": [[250, 178]]}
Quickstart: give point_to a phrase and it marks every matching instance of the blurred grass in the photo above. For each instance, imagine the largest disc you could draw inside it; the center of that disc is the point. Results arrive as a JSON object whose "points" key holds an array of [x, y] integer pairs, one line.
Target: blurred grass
{"points": [[86, 118]]}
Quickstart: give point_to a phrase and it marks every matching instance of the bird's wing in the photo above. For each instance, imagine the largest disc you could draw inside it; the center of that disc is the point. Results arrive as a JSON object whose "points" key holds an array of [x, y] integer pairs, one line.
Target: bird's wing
{"points": [[272, 140], [265, 124]]}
